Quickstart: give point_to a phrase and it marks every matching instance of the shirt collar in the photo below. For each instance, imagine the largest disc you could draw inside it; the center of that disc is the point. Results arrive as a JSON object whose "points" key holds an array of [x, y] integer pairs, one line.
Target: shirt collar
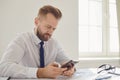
{"points": [[36, 39]]}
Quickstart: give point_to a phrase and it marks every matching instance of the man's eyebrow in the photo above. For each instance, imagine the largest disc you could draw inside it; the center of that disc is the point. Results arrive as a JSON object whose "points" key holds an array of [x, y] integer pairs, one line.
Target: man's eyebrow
{"points": [[50, 25]]}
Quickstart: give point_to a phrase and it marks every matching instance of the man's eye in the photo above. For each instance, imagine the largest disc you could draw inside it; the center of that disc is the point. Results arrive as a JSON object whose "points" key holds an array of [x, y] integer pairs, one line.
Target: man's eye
{"points": [[53, 29], [48, 27]]}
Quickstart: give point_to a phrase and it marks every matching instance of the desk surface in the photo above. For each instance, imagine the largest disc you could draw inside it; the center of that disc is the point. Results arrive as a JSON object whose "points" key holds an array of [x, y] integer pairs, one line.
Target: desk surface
{"points": [[81, 74]]}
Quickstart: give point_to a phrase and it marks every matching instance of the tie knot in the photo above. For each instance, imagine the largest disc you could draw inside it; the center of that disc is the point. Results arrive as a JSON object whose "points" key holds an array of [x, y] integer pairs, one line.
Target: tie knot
{"points": [[41, 43]]}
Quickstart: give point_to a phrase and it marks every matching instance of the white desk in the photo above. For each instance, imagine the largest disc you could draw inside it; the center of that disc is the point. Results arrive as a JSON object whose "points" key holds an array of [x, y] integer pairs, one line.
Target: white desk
{"points": [[80, 74]]}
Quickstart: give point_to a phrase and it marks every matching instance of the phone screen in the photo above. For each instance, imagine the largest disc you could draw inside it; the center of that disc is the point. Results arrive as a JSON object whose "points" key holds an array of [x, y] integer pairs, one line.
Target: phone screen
{"points": [[69, 64]]}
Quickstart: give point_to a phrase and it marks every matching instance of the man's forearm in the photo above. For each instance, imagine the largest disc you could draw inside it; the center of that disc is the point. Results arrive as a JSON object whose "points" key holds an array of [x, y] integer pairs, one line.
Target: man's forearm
{"points": [[14, 70], [40, 73]]}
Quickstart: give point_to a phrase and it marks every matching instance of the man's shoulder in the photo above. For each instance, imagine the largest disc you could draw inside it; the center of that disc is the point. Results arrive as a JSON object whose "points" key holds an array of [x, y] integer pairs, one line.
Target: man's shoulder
{"points": [[24, 33], [52, 40], [22, 36]]}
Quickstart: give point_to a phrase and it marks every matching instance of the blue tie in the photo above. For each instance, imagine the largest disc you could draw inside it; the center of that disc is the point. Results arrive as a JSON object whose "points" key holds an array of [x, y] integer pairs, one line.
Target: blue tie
{"points": [[42, 54]]}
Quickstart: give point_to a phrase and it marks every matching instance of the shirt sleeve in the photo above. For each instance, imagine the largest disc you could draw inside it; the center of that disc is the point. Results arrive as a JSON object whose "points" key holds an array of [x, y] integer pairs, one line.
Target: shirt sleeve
{"points": [[9, 64], [61, 56]]}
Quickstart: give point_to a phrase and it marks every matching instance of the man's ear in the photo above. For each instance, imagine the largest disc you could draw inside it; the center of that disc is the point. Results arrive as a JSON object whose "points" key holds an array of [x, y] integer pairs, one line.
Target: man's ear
{"points": [[36, 21]]}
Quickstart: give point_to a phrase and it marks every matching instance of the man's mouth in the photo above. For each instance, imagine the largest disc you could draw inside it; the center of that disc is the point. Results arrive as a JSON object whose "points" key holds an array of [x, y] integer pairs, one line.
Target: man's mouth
{"points": [[47, 35]]}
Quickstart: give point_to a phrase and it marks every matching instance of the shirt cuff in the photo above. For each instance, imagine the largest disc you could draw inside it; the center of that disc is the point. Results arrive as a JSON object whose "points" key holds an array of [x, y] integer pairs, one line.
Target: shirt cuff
{"points": [[32, 73]]}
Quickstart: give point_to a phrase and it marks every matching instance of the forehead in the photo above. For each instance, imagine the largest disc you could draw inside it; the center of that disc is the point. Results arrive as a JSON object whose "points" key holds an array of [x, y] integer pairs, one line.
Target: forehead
{"points": [[51, 20]]}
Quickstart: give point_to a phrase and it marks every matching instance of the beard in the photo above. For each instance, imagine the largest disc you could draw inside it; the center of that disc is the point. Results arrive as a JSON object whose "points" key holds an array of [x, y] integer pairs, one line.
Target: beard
{"points": [[43, 36]]}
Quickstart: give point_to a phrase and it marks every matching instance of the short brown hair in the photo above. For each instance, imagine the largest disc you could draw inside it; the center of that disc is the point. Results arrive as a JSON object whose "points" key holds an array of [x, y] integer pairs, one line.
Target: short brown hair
{"points": [[50, 9]]}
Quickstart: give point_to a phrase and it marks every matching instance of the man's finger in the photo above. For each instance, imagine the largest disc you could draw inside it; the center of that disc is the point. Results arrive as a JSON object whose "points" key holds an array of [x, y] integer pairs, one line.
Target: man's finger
{"points": [[54, 64], [63, 69]]}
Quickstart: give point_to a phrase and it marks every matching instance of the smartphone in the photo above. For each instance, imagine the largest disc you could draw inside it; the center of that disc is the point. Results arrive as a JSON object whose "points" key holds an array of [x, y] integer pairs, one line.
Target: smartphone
{"points": [[69, 64]]}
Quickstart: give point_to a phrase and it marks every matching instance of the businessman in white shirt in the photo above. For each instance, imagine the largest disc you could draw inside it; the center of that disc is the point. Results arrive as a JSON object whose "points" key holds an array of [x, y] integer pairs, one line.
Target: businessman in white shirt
{"points": [[22, 56]]}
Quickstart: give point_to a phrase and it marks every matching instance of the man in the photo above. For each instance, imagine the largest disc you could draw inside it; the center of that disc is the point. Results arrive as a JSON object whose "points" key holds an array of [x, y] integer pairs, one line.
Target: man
{"points": [[33, 55]]}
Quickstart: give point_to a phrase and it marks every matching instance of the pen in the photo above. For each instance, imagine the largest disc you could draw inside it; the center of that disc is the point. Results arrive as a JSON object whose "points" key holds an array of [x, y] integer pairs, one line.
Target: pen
{"points": [[102, 78], [8, 78]]}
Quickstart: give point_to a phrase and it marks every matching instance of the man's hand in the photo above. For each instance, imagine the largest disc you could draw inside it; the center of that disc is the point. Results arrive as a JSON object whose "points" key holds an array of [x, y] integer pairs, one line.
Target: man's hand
{"points": [[69, 72], [50, 71]]}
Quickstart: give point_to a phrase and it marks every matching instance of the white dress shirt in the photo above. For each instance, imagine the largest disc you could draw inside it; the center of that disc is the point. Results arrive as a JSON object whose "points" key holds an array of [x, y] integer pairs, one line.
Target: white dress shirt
{"points": [[21, 58]]}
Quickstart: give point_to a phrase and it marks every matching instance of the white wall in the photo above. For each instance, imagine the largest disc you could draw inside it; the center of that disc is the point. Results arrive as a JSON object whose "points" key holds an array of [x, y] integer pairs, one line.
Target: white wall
{"points": [[18, 16]]}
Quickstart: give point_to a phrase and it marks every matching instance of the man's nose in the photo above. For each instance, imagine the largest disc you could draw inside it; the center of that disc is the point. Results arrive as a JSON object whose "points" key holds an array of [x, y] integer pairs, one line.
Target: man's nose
{"points": [[51, 30]]}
